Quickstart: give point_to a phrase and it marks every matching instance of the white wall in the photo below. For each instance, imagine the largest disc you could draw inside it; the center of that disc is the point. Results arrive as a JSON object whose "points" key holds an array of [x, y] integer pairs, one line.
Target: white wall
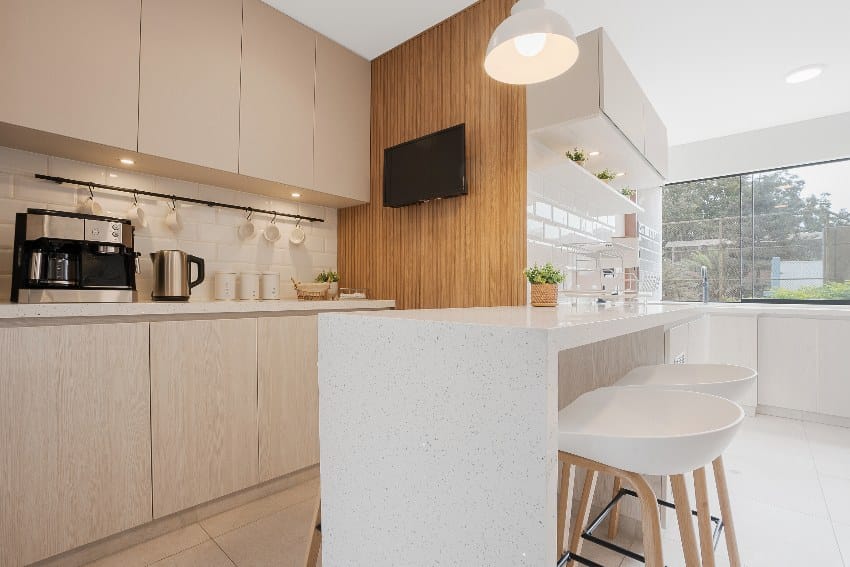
{"points": [[209, 233], [810, 141]]}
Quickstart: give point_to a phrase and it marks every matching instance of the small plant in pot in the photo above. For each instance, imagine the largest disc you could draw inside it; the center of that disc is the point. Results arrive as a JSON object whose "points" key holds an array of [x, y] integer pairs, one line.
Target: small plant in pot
{"points": [[544, 284], [332, 278], [606, 175], [577, 155], [628, 192]]}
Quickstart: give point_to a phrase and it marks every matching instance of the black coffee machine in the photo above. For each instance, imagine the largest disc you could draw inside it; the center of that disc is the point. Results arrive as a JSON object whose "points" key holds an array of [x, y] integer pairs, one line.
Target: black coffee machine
{"points": [[64, 257]]}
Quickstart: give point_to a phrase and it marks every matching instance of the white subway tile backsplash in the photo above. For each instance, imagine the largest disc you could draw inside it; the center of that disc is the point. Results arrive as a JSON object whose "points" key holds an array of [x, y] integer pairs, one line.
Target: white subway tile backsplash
{"points": [[210, 233], [18, 161], [61, 167], [27, 188]]}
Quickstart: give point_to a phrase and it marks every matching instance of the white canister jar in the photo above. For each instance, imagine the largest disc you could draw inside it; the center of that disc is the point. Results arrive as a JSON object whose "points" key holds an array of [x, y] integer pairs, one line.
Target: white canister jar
{"points": [[249, 285], [270, 285], [225, 286]]}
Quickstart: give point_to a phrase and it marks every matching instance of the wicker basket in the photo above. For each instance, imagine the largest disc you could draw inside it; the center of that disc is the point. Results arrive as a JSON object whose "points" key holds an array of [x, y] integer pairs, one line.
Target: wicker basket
{"points": [[311, 291], [544, 295]]}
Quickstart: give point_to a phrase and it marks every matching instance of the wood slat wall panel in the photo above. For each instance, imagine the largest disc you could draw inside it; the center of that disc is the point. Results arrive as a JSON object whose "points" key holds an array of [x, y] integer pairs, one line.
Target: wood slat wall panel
{"points": [[462, 252]]}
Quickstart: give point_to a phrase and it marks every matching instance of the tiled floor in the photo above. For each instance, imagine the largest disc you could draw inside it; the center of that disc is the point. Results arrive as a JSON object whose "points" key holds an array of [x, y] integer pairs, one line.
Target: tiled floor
{"points": [[790, 484]]}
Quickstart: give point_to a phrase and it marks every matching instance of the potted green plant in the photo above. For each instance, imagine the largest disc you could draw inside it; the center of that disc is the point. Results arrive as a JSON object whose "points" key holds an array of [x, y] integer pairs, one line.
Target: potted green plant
{"points": [[331, 278], [606, 175], [628, 192], [577, 155], [544, 284]]}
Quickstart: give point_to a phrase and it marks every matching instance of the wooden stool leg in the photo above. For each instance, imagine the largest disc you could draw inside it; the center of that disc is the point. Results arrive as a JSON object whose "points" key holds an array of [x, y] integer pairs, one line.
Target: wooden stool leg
{"points": [[583, 516], [686, 525], [614, 517], [650, 519], [726, 513], [565, 501], [315, 537], [706, 539]]}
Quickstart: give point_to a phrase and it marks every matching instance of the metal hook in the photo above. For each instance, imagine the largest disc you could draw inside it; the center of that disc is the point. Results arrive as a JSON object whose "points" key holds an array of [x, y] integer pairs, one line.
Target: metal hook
{"points": [[298, 222], [250, 213], [173, 203], [135, 198], [91, 191], [274, 217]]}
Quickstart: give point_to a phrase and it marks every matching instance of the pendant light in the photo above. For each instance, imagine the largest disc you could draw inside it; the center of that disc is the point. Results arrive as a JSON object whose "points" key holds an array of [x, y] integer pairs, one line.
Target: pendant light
{"points": [[534, 44]]}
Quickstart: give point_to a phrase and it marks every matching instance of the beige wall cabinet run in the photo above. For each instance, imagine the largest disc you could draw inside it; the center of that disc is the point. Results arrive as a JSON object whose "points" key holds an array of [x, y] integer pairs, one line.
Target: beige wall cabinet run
{"points": [[189, 81], [72, 68], [75, 437], [278, 69], [203, 410]]}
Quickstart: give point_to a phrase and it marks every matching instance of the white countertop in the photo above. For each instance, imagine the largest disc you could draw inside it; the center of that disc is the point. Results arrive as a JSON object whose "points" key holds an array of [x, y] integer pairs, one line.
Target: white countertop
{"points": [[180, 309]]}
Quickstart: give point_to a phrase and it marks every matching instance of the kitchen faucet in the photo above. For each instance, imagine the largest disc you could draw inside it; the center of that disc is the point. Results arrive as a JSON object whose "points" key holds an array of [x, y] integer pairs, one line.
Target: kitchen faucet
{"points": [[704, 275]]}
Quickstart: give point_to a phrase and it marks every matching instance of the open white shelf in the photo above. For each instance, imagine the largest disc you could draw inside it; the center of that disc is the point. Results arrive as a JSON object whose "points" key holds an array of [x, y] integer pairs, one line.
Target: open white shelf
{"points": [[578, 186]]}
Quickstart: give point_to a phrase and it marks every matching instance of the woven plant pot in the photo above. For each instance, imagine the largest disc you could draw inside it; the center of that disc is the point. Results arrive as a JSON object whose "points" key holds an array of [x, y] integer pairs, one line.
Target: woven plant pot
{"points": [[544, 295]]}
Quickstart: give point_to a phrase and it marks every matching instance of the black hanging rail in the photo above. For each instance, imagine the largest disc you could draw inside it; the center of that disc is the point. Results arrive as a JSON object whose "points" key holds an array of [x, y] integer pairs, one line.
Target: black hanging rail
{"points": [[91, 184]]}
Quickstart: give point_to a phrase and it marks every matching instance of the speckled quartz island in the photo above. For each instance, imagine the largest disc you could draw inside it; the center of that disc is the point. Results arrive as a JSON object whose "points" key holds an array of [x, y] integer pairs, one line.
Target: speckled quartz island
{"points": [[438, 429]]}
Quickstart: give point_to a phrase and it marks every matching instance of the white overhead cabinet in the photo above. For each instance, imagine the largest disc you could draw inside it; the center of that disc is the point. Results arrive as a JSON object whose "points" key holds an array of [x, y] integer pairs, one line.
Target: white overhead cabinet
{"points": [[71, 68], [598, 105], [343, 103], [189, 81], [277, 103]]}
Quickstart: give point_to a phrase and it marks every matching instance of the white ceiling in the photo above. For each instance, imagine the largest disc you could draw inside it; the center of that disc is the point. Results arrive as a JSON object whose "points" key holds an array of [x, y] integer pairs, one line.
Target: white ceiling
{"points": [[710, 68]]}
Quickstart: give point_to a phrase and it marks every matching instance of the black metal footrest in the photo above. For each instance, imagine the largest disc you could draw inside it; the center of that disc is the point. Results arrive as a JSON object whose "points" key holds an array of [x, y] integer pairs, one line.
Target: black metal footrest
{"points": [[568, 556], [587, 534]]}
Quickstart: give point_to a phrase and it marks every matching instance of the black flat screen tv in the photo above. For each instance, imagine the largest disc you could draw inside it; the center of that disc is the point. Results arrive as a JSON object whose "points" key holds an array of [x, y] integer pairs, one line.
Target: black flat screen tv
{"points": [[430, 167]]}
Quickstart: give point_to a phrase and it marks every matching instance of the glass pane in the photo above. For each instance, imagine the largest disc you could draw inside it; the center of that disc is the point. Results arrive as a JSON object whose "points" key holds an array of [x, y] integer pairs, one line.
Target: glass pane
{"points": [[702, 227], [801, 233]]}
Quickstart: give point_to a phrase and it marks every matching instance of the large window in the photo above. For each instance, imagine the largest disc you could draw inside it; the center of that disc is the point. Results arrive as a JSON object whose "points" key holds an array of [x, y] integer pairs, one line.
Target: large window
{"points": [[776, 235]]}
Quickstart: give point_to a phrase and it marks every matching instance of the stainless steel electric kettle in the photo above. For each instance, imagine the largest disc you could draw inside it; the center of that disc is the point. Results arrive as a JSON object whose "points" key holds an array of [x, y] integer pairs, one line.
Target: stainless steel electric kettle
{"points": [[172, 275]]}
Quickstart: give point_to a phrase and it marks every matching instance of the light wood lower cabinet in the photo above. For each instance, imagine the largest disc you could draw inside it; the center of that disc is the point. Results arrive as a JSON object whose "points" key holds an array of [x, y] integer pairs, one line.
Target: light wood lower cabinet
{"points": [[288, 394], [74, 437], [203, 410]]}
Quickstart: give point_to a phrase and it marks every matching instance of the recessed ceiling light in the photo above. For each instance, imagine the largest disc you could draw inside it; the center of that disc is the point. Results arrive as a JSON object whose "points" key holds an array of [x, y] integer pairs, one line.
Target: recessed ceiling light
{"points": [[804, 74], [622, 173], [593, 154], [126, 161], [113, 175], [296, 195]]}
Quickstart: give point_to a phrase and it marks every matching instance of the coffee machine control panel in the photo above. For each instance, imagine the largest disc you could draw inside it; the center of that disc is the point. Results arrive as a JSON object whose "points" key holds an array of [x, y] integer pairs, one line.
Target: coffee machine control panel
{"points": [[104, 231]]}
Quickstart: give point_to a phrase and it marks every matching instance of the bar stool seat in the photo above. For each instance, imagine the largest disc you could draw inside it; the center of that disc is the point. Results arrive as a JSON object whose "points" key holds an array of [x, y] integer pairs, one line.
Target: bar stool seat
{"points": [[725, 380], [630, 432], [647, 431]]}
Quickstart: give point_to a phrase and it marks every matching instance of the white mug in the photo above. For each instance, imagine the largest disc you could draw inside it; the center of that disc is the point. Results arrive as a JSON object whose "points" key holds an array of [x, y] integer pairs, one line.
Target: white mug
{"points": [[270, 285], [173, 220], [272, 233], [136, 214], [225, 286], [247, 230], [249, 285], [90, 207]]}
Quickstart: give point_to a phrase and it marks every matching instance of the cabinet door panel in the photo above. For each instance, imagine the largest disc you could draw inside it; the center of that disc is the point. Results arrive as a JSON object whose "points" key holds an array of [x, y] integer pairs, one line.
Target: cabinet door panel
{"points": [[75, 437], [622, 97], [343, 99], [189, 81], [656, 148], [72, 68], [277, 104], [204, 410], [288, 394], [676, 344], [788, 366], [734, 340], [834, 382]]}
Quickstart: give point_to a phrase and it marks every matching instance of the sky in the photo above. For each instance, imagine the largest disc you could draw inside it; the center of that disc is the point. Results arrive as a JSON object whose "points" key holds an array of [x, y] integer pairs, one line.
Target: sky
{"points": [[833, 178]]}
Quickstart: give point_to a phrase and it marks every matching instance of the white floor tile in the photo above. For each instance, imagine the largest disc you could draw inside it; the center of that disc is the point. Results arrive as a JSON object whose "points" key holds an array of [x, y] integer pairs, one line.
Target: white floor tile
{"points": [[842, 534], [830, 447], [836, 490]]}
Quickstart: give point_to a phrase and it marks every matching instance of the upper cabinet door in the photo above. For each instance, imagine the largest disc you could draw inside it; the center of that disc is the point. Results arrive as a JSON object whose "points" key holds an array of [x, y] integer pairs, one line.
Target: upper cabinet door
{"points": [[622, 97], [278, 72], [71, 68], [343, 102], [656, 147], [189, 75]]}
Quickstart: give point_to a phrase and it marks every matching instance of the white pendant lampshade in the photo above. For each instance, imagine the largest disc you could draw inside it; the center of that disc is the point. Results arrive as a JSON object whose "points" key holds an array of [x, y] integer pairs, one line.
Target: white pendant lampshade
{"points": [[534, 44]]}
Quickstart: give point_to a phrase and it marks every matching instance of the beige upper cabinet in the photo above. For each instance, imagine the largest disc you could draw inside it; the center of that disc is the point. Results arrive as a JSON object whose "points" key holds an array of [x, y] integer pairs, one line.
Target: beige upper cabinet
{"points": [[189, 81], [622, 97], [343, 102], [278, 71], [203, 410], [288, 395], [75, 437], [71, 68], [656, 146]]}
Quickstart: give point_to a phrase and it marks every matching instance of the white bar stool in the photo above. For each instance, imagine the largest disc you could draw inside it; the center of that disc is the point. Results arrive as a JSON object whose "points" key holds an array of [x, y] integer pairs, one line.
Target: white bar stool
{"points": [[724, 380], [630, 432]]}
